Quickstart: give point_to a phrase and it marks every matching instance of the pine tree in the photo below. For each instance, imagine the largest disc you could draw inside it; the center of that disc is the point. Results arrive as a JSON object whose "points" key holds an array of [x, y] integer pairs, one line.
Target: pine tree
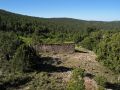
{"points": [[24, 59]]}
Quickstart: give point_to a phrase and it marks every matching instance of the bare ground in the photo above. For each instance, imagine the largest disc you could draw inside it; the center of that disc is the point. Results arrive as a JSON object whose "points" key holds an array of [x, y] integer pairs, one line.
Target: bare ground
{"points": [[85, 60]]}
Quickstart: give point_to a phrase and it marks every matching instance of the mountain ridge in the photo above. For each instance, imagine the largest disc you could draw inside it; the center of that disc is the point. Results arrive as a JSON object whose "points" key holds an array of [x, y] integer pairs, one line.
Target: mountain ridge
{"points": [[66, 18]]}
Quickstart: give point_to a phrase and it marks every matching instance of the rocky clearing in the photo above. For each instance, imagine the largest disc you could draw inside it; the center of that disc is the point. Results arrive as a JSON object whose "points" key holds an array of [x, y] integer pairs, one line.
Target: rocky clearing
{"points": [[61, 66], [85, 60]]}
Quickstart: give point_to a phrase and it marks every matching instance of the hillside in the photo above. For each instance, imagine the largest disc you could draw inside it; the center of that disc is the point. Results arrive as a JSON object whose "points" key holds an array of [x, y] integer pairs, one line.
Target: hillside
{"points": [[70, 23], [95, 64]]}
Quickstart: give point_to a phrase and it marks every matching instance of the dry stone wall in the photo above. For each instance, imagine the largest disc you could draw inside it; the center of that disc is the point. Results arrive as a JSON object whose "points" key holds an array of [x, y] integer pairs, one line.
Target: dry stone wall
{"points": [[55, 48]]}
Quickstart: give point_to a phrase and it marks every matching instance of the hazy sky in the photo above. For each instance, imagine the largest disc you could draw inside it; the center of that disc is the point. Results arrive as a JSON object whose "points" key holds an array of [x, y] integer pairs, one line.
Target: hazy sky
{"points": [[105, 10]]}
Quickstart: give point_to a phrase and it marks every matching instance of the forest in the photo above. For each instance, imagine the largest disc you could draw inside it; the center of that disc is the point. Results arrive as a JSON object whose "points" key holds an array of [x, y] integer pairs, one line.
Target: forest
{"points": [[19, 32]]}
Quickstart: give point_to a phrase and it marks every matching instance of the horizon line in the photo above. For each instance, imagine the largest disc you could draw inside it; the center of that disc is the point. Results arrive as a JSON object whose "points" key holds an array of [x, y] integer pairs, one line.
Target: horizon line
{"points": [[59, 17]]}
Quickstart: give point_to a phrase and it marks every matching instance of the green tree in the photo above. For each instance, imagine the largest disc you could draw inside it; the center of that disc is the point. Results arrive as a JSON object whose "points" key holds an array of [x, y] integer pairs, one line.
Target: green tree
{"points": [[24, 59]]}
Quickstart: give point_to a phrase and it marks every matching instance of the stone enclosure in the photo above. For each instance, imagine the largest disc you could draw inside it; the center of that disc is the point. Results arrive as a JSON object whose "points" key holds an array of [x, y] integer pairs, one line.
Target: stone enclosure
{"points": [[55, 48]]}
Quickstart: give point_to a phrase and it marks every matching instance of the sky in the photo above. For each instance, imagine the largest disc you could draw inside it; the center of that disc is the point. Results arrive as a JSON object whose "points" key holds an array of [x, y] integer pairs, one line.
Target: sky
{"points": [[100, 10]]}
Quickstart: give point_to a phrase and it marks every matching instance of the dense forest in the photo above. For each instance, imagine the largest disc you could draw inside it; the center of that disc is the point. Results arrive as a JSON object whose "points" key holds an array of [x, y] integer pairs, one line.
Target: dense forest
{"points": [[19, 32]]}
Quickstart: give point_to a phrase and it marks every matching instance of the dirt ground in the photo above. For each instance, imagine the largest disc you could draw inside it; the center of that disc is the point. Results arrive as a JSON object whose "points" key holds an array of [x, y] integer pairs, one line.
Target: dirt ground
{"points": [[85, 60]]}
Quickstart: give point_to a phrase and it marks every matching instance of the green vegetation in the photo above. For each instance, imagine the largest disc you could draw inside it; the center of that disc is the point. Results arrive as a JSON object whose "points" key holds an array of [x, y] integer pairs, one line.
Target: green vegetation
{"points": [[76, 82], [109, 52], [9, 42], [18, 33], [42, 81], [101, 80], [7, 82], [106, 45], [26, 40], [24, 59]]}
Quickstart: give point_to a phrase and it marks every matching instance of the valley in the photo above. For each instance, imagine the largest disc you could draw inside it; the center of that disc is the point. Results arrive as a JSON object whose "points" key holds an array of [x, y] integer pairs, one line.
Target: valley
{"points": [[95, 64]]}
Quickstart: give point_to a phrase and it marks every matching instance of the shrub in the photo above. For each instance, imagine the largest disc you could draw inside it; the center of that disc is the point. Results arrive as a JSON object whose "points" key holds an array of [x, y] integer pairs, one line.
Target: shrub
{"points": [[101, 80], [23, 59], [76, 82], [9, 42]]}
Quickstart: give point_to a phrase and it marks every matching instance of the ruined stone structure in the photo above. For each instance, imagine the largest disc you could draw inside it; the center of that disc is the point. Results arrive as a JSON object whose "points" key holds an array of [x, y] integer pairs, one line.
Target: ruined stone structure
{"points": [[55, 48]]}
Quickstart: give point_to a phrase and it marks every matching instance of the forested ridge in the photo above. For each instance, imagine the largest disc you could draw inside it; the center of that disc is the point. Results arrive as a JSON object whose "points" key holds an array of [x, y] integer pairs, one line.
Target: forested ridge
{"points": [[19, 32]]}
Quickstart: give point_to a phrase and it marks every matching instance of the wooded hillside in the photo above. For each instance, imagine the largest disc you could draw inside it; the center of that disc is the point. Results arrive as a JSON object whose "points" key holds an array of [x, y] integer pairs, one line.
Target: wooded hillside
{"points": [[19, 32]]}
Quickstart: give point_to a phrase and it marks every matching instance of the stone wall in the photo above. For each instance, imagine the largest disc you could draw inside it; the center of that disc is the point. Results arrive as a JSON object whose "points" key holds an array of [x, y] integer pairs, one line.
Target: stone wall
{"points": [[56, 48]]}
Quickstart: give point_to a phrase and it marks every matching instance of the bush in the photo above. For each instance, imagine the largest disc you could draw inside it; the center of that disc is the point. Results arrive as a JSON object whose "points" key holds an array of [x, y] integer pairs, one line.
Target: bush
{"points": [[76, 82], [109, 52], [101, 80], [9, 42], [107, 46], [24, 59]]}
